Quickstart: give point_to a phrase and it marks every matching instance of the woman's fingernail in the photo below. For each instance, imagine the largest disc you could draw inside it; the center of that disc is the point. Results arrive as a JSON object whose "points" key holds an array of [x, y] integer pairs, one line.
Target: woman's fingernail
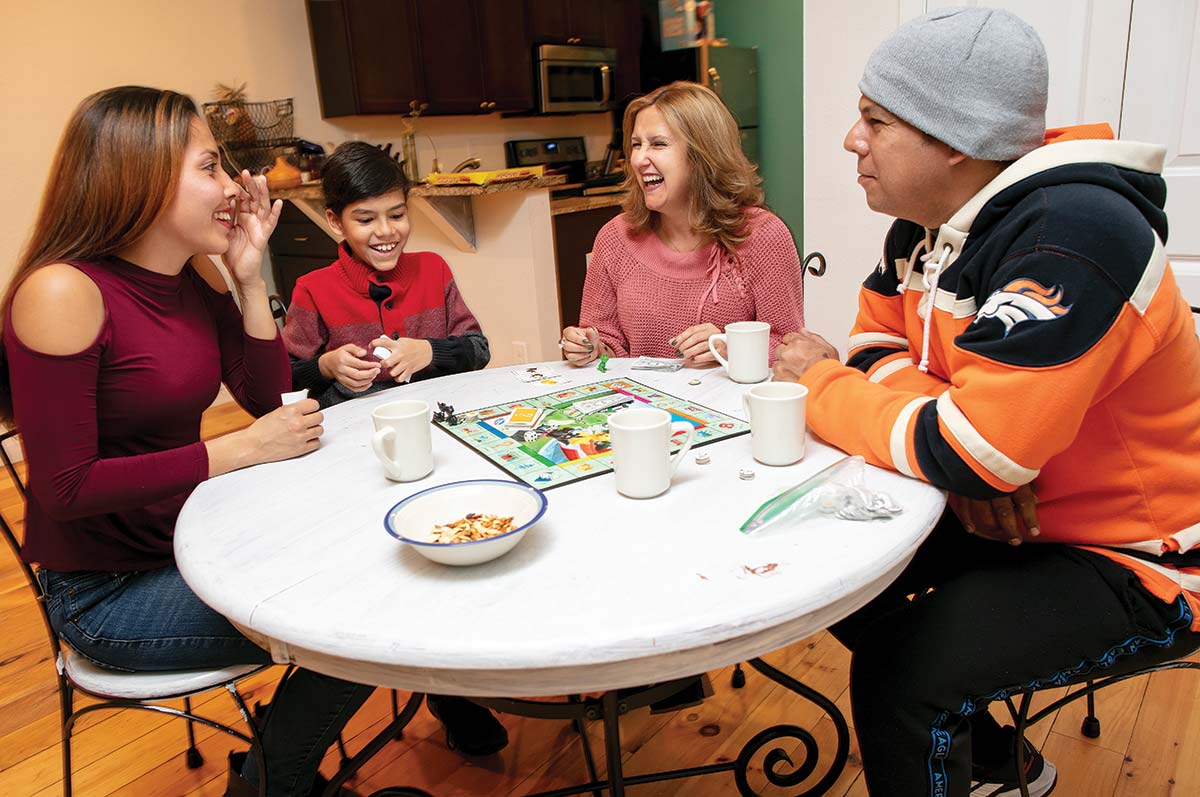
{"points": [[970, 529], [1014, 541], [1034, 531]]}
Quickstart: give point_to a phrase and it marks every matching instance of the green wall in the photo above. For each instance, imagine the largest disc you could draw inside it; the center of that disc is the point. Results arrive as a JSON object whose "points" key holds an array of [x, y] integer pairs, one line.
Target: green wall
{"points": [[776, 28]]}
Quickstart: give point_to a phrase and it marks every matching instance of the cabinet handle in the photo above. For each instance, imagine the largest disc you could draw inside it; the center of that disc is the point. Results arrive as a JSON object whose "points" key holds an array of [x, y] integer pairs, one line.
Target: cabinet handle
{"points": [[491, 105], [574, 40], [715, 78], [300, 239], [424, 105], [483, 104]]}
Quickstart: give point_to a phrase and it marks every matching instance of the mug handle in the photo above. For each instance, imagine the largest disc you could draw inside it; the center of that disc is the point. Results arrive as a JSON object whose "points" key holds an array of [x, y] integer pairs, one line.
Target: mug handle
{"points": [[721, 337], [677, 457], [746, 407], [378, 443]]}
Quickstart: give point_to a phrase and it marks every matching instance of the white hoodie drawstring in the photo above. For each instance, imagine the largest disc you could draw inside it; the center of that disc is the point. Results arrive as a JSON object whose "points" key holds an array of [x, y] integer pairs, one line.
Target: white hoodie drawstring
{"points": [[929, 279]]}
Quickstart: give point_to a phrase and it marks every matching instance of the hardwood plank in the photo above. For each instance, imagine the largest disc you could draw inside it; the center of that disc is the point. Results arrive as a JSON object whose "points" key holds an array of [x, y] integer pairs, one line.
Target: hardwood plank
{"points": [[1083, 769], [1164, 752]]}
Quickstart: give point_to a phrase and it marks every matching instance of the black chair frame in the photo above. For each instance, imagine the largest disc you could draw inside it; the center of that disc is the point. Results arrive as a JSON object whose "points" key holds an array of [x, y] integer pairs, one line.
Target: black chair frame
{"points": [[67, 688]]}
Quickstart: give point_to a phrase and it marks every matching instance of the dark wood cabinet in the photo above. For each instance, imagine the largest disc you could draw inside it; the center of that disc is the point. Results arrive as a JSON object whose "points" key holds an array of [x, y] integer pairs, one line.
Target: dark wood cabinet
{"points": [[507, 54], [298, 246], [568, 22], [455, 56], [450, 55], [366, 56], [574, 234]]}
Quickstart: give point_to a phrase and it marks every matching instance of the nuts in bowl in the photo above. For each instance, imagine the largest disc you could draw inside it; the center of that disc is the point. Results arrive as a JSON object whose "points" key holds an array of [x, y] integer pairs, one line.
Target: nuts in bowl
{"points": [[468, 522]]}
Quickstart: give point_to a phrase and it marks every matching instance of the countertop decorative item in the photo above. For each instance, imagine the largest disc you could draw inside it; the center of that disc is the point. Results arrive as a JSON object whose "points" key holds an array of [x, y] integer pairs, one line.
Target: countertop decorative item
{"points": [[283, 174]]}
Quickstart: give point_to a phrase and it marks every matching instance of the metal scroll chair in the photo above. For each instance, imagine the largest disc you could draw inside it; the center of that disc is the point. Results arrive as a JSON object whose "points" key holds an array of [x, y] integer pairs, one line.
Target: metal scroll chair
{"points": [[1091, 725], [119, 690], [278, 309]]}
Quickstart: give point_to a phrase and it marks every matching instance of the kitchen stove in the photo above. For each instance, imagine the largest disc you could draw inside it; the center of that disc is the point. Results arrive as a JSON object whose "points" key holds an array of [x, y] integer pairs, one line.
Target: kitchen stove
{"points": [[567, 155]]}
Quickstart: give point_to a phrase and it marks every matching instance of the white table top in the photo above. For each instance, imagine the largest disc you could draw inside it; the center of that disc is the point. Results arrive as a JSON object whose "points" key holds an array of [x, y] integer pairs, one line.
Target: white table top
{"points": [[604, 592]]}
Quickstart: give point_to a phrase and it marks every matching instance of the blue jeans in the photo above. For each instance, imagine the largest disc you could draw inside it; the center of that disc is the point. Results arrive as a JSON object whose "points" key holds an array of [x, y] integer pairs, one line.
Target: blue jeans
{"points": [[151, 620]]}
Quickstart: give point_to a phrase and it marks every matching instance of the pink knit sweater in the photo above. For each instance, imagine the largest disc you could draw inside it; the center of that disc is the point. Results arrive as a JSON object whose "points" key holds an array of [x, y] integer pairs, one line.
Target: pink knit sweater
{"points": [[639, 293]]}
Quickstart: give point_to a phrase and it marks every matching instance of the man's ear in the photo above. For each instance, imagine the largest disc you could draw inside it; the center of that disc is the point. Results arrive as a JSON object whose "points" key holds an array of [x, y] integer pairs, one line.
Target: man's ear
{"points": [[955, 156], [335, 222]]}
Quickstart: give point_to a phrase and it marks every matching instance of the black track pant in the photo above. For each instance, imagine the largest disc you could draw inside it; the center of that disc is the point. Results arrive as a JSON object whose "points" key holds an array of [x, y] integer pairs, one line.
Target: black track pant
{"points": [[1000, 619]]}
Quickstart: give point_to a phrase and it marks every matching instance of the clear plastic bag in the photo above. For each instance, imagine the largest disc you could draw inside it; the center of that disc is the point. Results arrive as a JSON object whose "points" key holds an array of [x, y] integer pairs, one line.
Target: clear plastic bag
{"points": [[837, 491]]}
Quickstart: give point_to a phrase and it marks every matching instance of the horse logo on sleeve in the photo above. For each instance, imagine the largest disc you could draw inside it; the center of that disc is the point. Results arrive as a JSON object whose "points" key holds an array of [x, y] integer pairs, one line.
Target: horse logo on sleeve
{"points": [[1024, 300]]}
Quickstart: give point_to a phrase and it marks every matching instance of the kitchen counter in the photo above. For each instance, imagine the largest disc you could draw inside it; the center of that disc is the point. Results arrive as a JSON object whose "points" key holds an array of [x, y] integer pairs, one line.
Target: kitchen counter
{"points": [[575, 204], [312, 191]]}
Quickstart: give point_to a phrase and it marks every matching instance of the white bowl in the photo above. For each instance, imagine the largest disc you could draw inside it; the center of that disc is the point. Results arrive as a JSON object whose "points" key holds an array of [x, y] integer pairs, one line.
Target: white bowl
{"points": [[412, 520]]}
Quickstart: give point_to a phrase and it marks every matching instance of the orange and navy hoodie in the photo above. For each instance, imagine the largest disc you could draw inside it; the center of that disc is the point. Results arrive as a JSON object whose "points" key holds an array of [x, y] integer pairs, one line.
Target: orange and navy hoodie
{"points": [[1039, 337]]}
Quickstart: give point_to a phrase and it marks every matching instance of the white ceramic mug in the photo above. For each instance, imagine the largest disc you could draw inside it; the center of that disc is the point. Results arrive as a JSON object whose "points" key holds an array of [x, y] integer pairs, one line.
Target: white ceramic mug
{"points": [[776, 414], [402, 439], [641, 450], [748, 345]]}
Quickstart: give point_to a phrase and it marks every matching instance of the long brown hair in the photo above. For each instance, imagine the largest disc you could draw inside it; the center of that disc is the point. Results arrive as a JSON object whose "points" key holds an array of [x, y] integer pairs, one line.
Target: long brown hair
{"points": [[116, 169], [724, 183]]}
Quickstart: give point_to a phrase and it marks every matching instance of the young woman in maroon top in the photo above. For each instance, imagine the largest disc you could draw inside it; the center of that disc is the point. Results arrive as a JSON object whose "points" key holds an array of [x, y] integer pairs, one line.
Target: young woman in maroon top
{"points": [[118, 331]]}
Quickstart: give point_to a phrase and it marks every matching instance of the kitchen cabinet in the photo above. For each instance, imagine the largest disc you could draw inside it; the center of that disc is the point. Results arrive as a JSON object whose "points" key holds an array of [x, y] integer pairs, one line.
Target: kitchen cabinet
{"points": [[297, 247], [574, 234], [366, 56], [455, 56], [506, 53], [438, 56], [575, 21]]}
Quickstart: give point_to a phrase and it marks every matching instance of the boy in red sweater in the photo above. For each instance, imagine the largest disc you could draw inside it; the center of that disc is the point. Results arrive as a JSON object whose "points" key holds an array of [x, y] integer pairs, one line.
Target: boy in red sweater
{"points": [[375, 294]]}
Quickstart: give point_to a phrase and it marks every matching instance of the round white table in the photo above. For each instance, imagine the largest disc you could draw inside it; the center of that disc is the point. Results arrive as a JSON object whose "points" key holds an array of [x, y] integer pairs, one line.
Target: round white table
{"points": [[604, 592]]}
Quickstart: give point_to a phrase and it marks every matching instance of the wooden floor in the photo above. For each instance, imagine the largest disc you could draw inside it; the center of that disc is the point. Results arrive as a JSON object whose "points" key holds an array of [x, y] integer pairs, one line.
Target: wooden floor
{"points": [[1150, 743]]}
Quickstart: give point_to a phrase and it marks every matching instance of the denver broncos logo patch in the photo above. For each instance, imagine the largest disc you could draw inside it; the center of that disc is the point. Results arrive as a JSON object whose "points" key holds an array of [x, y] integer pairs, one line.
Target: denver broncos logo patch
{"points": [[1024, 300]]}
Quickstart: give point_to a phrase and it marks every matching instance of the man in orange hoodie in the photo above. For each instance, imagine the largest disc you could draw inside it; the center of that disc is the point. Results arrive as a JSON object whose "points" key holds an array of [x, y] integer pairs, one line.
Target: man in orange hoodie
{"points": [[1022, 332]]}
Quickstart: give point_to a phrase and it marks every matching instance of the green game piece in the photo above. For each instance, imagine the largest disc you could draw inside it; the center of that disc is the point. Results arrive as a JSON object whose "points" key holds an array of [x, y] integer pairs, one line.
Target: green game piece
{"points": [[603, 366]]}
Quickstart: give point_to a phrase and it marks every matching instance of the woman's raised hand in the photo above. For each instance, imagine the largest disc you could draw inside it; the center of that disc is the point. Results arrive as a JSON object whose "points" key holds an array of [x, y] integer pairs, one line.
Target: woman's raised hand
{"points": [[581, 346], [256, 220]]}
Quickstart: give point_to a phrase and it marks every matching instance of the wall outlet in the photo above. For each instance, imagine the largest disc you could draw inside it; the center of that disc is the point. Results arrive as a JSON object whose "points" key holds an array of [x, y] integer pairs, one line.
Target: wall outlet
{"points": [[520, 351]]}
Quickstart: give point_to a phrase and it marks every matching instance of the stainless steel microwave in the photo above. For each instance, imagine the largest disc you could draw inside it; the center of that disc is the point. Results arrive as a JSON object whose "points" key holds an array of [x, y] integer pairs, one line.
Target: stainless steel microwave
{"points": [[574, 79]]}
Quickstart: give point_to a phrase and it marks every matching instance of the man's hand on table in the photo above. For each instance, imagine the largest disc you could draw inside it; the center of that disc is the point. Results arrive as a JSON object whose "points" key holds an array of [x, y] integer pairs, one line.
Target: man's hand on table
{"points": [[1010, 518], [798, 352]]}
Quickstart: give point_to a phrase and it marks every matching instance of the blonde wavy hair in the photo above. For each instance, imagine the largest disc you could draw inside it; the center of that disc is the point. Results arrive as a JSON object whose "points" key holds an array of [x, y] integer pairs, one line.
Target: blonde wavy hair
{"points": [[724, 183]]}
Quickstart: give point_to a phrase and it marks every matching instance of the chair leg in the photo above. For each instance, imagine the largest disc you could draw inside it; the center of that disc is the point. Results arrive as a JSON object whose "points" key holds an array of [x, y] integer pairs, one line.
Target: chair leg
{"points": [[1091, 723], [194, 759], [65, 705]]}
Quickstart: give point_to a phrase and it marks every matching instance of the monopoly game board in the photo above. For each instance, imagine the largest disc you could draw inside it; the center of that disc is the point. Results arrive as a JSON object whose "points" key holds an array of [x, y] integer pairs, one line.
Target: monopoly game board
{"points": [[562, 437]]}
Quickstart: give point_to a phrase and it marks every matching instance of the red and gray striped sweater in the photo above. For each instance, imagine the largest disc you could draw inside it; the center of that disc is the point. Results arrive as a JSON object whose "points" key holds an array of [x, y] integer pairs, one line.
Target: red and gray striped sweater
{"points": [[336, 305]]}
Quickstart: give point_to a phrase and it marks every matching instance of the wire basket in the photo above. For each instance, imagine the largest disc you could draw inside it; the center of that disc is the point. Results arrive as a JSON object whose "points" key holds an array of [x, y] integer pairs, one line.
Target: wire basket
{"points": [[252, 134]]}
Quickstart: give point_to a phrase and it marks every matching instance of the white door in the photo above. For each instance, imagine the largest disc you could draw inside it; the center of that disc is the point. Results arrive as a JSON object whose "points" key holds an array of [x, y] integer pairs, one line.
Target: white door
{"points": [[1162, 105]]}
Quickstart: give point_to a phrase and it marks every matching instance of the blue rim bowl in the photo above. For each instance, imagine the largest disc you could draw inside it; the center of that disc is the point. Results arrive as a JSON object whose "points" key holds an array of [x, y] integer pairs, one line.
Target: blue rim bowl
{"points": [[503, 483]]}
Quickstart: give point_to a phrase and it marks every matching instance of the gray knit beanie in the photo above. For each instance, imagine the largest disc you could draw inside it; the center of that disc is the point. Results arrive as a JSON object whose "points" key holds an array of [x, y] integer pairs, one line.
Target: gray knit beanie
{"points": [[974, 78]]}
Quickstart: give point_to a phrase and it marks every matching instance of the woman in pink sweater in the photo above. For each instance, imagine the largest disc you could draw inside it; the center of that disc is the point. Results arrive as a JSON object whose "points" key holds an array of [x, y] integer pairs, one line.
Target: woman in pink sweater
{"points": [[695, 249]]}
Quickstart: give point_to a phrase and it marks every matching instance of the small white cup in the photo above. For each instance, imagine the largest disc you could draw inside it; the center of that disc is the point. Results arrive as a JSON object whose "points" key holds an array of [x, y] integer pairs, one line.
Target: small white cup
{"points": [[402, 439], [748, 345], [776, 414], [641, 450]]}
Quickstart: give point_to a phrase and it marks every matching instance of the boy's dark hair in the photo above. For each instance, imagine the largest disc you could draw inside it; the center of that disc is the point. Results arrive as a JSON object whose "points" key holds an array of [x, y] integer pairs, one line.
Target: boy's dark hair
{"points": [[357, 170]]}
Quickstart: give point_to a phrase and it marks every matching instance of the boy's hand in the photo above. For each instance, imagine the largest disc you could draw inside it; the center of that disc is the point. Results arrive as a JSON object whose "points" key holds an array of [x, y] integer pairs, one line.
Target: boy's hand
{"points": [[409, 355], [581, 346], [346, 365]]}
